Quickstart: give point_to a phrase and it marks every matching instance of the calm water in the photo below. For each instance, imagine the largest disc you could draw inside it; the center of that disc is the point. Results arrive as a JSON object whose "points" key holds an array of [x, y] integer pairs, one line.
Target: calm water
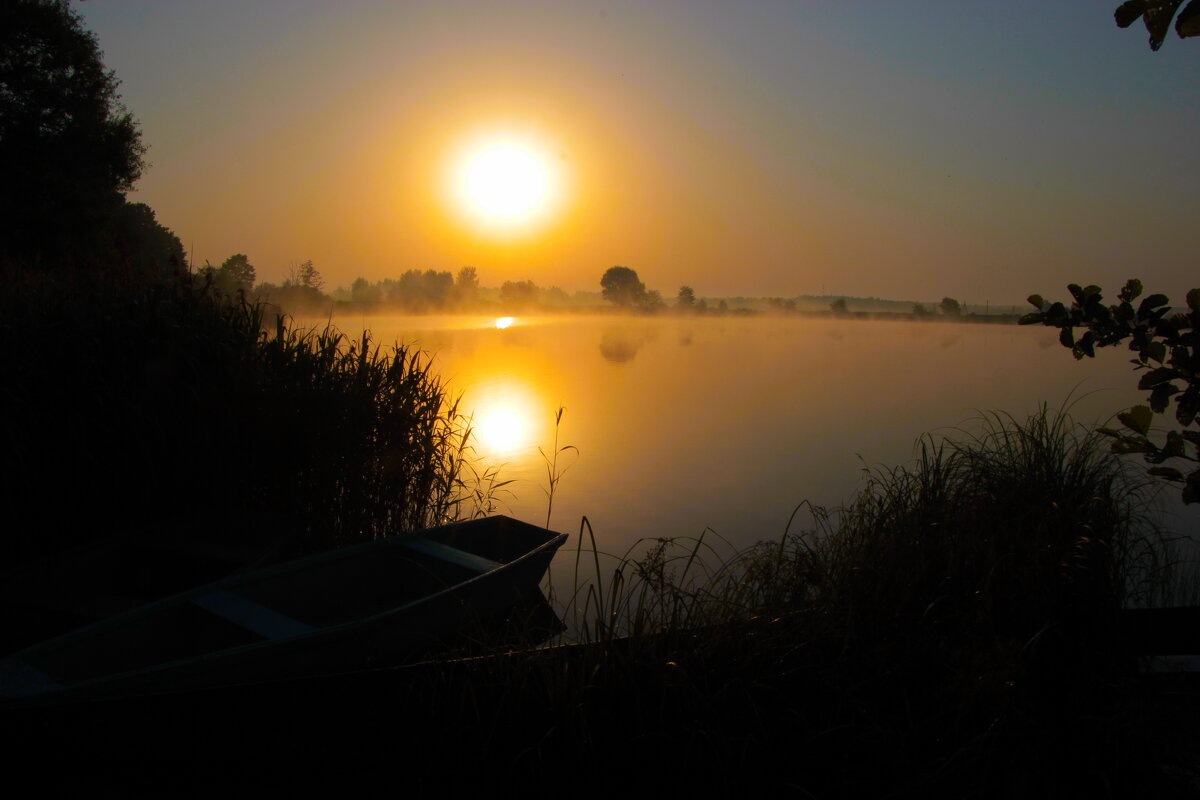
{"points": [[729, 423]]}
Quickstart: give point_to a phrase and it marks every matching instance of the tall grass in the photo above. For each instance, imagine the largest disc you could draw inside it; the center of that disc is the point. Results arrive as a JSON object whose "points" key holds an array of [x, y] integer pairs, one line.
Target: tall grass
{"points": [[1012, 525], [950, 631], [167, 412]]}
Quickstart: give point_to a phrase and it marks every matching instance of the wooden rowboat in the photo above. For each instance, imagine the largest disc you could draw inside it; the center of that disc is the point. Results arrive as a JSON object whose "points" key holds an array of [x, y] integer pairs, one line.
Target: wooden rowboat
{"points": [[366, 605]]}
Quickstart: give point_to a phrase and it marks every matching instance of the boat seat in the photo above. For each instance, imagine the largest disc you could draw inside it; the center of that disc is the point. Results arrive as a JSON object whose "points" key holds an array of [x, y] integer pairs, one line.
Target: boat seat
{"points": [[266, 622], [452, 554]]}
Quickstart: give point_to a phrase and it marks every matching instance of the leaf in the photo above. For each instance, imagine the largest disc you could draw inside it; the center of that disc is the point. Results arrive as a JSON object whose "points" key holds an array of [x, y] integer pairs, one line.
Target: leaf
{"points": [[1067, 337], [1133, 288], [1156, 351], [1189, 405], [1157, 17], [1137, 419], [1174, 446], [1126, 445], [1170, 473], [1085, 346], [1191, 492], [1161, 397], [1129, 13], [1188, 22], [1151, 302], [1036, 301], [1193, 297], [1156, 376], [1033, 318]]}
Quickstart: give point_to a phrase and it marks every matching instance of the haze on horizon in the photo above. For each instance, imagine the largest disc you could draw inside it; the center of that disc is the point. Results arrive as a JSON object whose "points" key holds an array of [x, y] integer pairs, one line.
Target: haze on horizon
{"points": [[908, 150]]}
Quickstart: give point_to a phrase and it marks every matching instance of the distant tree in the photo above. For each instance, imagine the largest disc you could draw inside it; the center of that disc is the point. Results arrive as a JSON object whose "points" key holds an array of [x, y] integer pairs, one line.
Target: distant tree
{"points": [[950, 307], [652, 301], [364, 292], [306, 275], [466, 286], [208, 273], [838, 306], [1167, 345], [722, 307], [621, 286], [421, 291], [519, 293], [920, 310], [1157, 16], [236, 273], [68, 148], [554, 296], [702, 306], [686, 299]]}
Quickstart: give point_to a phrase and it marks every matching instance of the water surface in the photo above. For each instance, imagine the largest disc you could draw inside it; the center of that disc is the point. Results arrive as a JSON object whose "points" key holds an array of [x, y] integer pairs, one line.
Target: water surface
{"points": [[728, 423]]}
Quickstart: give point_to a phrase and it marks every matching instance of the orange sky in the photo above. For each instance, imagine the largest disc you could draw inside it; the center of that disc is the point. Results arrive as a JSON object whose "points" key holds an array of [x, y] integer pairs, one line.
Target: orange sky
{"points": [[911, 151]]}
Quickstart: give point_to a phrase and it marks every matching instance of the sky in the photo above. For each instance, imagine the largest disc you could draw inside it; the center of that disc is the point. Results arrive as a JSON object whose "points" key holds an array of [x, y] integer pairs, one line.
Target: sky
{"points": [[900, 149]]}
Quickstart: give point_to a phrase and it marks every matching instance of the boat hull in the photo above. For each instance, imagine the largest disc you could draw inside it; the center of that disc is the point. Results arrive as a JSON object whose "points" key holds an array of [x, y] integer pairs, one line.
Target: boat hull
{"points": [[371, 605]]}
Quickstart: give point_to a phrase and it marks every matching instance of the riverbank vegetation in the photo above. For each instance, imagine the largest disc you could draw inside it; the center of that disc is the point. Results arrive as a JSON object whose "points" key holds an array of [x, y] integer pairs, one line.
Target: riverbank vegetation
{"points": [[164, 412], [953, 631]]}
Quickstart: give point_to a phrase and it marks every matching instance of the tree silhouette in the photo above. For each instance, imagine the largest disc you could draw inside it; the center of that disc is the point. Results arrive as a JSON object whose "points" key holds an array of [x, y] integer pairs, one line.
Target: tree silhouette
{"points": [[68, 148], [950, 307], [145, 247], [519, 293], [235, 273], [306, 275], [466, 285], [362, 291], [686, 299], [622, 287]]}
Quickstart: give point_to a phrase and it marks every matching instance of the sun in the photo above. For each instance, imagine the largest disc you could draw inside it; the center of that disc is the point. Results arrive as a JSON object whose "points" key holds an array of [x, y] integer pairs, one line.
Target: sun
{"points": [[506, 183]]}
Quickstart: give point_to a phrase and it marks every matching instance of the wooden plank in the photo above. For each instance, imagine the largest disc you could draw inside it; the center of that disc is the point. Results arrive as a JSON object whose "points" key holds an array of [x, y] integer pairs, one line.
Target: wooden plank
{"points": [[266, 622], [452, 554]]}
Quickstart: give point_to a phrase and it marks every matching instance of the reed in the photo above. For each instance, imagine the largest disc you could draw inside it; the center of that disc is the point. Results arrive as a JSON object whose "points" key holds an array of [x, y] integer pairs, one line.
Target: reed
{"points": [[169, 412], [950, 631]]}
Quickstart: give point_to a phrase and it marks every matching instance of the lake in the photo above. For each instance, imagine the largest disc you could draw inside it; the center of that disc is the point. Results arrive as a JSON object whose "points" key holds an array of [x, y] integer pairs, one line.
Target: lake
{"points": [[727, 423]]}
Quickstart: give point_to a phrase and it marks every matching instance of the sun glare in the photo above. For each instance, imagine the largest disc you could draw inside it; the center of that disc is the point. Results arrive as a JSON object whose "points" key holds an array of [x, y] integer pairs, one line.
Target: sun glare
{"points": [[504, 322], [506, 182], [502, 429]]}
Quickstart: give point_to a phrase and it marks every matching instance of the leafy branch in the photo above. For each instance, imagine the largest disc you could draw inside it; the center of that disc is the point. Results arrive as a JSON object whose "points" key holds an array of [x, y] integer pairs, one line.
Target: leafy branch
{"points": [[1157, 16], [1166, 348]]}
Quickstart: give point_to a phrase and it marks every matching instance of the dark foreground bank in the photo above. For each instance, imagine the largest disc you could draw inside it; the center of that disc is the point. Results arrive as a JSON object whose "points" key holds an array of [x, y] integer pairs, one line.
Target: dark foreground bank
{"points": [[698, 714]]}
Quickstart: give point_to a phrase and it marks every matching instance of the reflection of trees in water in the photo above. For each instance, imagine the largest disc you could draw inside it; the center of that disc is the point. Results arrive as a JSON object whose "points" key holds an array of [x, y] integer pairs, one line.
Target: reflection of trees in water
{"points": [[620, 346], [949, 340]]}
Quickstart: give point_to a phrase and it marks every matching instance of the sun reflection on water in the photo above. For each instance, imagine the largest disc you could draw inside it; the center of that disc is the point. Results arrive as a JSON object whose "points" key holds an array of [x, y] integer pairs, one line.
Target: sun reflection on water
{"points": [[506, 411], [502, 429]]}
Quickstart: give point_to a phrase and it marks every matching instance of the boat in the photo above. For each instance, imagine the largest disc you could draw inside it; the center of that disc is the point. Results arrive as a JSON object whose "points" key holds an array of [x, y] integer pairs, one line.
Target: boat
{"points": [[374, 604]]}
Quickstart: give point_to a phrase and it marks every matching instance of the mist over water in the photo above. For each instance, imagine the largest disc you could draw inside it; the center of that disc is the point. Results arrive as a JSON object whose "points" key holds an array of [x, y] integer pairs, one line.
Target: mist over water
{"points": [[729, 423]]}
